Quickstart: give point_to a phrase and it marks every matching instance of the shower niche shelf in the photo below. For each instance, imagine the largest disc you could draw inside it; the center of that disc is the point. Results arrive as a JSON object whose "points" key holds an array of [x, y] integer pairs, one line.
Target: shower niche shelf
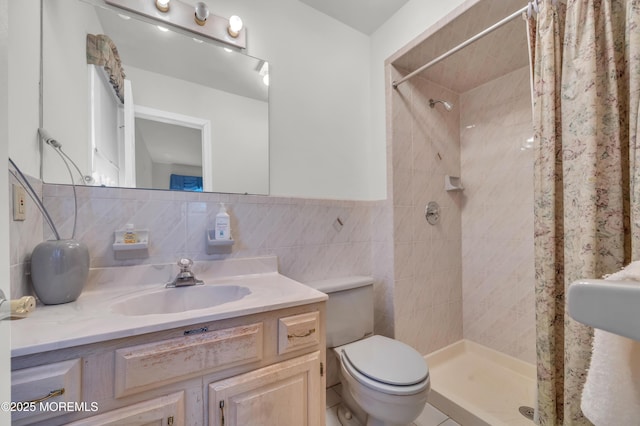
{"points": [[452, 183]]}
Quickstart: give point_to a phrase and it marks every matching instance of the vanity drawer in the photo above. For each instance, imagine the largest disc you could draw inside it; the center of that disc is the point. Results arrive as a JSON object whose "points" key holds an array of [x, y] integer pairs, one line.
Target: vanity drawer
{"points": [[298, 331], [39, 387], [147, 366], [165, 410]]}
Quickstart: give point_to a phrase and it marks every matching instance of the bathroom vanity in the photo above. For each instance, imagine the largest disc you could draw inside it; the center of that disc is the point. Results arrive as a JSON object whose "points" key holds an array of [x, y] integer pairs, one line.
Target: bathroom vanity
{"points": [[255, 360]]}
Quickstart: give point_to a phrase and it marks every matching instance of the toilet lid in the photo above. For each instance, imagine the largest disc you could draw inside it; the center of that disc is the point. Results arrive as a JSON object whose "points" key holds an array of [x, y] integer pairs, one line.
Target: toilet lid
{"points": [[387, 361]]}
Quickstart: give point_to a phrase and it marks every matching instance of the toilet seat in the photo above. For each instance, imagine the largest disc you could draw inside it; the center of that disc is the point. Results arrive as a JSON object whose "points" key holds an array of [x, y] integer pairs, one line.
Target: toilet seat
{"points": [[386, 365]]}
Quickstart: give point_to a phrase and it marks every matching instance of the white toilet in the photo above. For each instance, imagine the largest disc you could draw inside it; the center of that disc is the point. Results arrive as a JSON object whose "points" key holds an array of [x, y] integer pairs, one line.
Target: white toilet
{"points": [[385, 382]]}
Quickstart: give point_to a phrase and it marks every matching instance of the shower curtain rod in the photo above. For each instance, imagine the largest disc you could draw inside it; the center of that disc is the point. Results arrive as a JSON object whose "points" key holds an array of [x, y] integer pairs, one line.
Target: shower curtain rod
{"points": [[461, 46]]}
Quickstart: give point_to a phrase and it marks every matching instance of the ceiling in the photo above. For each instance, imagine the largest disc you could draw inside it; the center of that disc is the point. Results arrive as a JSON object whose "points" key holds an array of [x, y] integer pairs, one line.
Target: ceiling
{"points": [[476, 64], [363, 15], [496, 54]]}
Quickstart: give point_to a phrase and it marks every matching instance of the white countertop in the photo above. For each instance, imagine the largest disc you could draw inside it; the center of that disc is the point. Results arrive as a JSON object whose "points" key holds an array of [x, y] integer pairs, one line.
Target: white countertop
{"points": [[90, 319]]}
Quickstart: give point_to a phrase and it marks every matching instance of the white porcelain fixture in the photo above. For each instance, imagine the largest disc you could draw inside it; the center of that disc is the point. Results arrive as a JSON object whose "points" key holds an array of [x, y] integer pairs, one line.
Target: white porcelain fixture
{"points": [[608, 305], [384, 380], [92, 318], [172, 300], [258, 358]]}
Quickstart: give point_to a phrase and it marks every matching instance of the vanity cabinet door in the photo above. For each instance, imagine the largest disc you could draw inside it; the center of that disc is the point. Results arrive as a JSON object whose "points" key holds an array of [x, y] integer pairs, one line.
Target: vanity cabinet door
{"points": [[285, 394], [163, 411]]}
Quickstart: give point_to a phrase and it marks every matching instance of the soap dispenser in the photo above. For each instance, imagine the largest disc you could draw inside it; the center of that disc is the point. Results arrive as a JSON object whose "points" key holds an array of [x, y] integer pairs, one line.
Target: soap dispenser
{"points": [[222, 228]]}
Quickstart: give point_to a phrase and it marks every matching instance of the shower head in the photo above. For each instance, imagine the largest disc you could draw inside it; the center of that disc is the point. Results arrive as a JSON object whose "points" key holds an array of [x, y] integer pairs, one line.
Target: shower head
{"points": [[448, 106]]}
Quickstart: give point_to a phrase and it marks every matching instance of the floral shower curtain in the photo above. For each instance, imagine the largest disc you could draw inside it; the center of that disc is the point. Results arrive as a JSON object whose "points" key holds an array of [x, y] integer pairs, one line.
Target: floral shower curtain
{"points": [[587, 211]]}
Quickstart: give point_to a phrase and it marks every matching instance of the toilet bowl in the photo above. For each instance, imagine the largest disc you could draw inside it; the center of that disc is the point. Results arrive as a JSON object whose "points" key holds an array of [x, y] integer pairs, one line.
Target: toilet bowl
{"points": [[385, 382], [387, 379]]}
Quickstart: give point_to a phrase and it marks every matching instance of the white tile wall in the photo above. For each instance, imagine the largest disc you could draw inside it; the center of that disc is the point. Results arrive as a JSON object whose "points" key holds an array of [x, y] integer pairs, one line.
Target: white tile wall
{"points": [[497, 217], [473, 271], [23, 236], [299, 231], [425, 147]]}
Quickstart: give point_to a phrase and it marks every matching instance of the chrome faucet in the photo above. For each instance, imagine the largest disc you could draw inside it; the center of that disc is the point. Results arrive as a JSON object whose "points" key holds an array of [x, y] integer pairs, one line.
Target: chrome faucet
{"points": [[185, 277]]}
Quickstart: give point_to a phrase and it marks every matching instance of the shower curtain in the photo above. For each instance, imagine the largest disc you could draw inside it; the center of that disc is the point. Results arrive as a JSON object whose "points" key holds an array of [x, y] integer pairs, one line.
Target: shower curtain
{"points": [[587, 210]]}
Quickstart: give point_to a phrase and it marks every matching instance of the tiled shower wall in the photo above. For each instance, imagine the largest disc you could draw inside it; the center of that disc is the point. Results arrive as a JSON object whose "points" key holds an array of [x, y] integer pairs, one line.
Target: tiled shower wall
{"points": [[427, 291], [473, 271], [497, 216]]}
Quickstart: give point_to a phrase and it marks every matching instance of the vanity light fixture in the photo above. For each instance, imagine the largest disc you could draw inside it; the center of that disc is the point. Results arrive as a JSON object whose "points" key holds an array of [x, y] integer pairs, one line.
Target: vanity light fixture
{"points": [[201, 14], [183, 16], [235, 26], [163, 5]]}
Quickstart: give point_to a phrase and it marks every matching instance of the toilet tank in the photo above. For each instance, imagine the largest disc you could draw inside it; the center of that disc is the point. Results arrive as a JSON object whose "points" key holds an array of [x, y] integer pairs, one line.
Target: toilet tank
{"points": [[349, 308]]}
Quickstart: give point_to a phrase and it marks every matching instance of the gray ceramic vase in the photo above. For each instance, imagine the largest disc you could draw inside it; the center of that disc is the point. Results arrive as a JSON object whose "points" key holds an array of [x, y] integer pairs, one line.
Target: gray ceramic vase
{"points": [[59, 270]]}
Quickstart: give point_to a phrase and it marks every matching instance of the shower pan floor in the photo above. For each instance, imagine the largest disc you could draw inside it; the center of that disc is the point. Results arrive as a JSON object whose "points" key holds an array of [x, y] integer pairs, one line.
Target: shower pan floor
{"points": [[475, 385]]}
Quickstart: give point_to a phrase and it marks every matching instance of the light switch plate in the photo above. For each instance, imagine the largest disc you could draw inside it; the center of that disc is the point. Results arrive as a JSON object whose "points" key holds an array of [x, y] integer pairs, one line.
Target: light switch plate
{"points": [[19, 203]]}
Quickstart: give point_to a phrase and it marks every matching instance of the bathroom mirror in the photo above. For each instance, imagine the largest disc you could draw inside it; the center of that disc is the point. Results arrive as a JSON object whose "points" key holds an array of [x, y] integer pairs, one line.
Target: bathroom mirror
{"points": [[187, 96]]}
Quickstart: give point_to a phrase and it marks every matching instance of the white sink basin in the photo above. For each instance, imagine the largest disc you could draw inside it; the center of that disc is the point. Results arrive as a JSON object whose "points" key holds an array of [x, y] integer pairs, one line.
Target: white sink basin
{"points": [[612, 306], [180, 299]]}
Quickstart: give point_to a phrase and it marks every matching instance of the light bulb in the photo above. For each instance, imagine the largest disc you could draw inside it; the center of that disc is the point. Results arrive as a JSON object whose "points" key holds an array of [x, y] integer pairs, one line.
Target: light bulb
{"points": [[235, 26], [162, 5], [202, 13]]}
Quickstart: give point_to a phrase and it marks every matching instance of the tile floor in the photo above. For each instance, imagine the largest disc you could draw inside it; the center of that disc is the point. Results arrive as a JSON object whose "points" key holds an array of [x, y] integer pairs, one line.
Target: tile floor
{"points": [[429, 417]]}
